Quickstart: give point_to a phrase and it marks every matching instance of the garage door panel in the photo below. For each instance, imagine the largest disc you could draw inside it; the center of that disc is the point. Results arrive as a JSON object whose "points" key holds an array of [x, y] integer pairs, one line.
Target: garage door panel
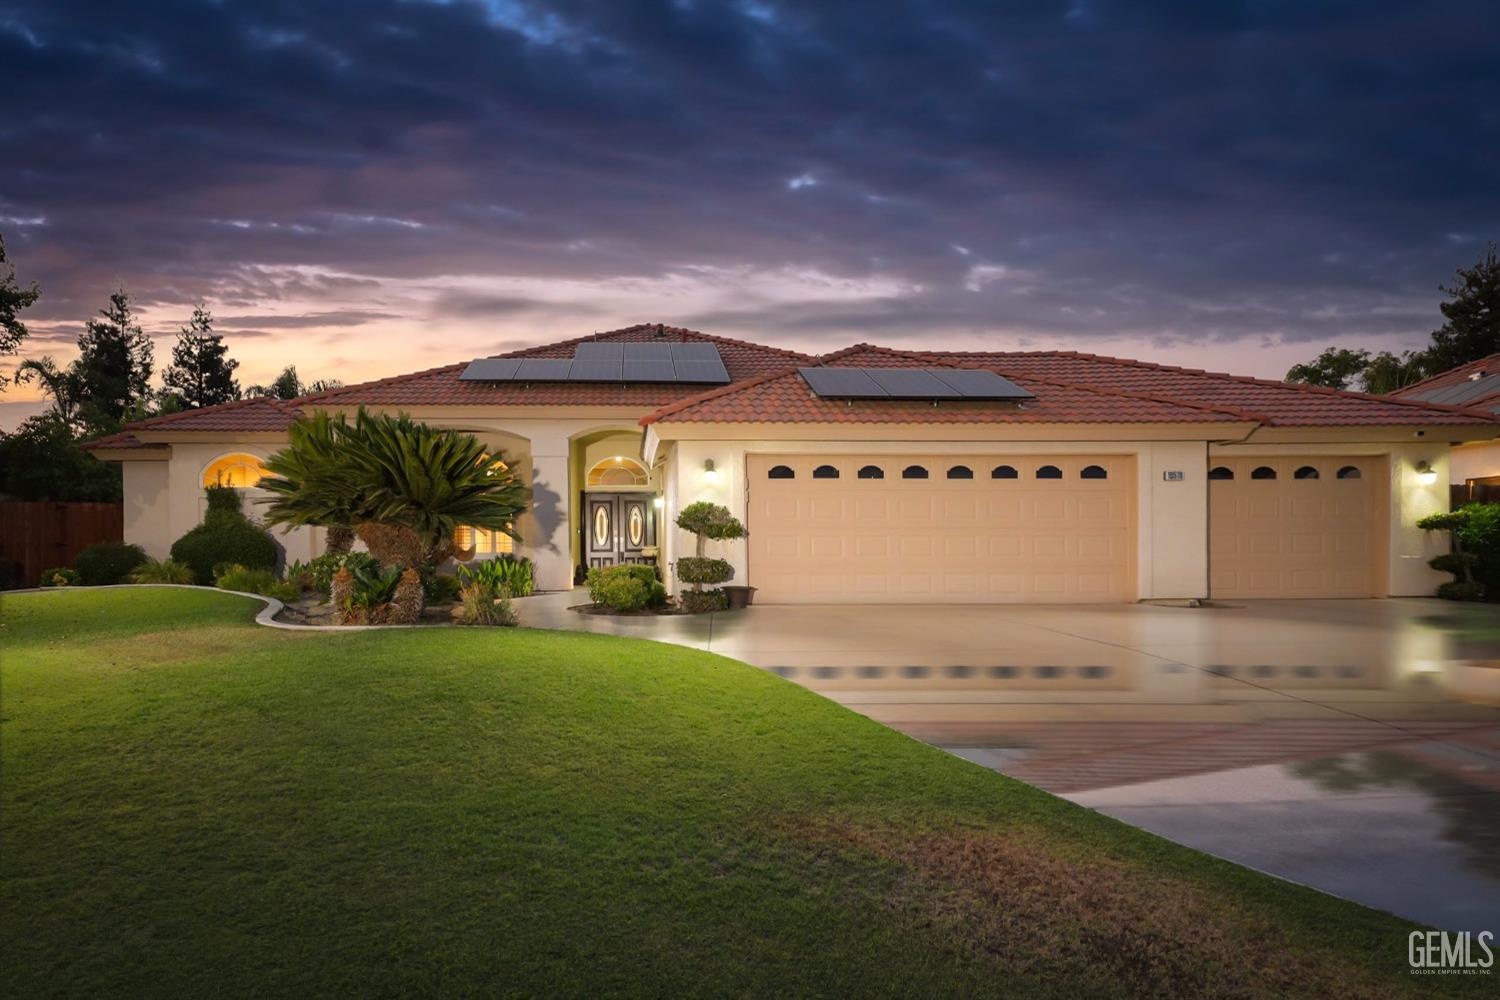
{"points": [[1289, 537], [977, 540]]}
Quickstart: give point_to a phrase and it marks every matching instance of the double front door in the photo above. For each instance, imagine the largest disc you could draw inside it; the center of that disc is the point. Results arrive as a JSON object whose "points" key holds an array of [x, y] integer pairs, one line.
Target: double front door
{"points": [[620, 528]]}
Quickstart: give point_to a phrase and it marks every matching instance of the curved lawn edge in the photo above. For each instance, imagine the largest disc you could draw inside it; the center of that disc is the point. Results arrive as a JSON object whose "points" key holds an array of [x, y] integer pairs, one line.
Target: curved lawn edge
{"points": [[265, 616]]}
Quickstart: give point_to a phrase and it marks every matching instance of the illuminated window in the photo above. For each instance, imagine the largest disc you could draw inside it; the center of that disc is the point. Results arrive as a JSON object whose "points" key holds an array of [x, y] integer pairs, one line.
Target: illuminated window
{"points": [[483, 541], [240, 471], [618, 471]]}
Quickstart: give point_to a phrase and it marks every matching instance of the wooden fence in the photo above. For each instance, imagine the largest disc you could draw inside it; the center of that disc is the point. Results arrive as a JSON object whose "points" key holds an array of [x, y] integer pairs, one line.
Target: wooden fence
{"points": [[39, 535], [1471, 492]]}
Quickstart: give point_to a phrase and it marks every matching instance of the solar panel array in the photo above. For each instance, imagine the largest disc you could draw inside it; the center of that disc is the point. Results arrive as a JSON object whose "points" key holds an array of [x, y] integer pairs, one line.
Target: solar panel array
{"points": [[1463, 393], [912, 383], [694, 363]]}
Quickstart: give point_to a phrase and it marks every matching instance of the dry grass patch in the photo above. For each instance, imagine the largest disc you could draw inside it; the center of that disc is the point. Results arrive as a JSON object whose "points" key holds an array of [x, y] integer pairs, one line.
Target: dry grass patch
{"points": [[1104, 925]]}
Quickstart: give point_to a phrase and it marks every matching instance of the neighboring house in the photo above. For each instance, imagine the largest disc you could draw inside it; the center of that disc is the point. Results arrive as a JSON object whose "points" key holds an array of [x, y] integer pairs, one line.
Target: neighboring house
{"points": [[1475, 385], [876, 475]]}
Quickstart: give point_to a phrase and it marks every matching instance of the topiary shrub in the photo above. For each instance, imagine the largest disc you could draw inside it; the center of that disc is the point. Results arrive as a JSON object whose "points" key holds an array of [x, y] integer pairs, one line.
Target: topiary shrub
{"points": [[107, 563], [706, 520], [692, 569], [697, 602], [626, 587], [59, 576], [226, 536], [1475, 533]]}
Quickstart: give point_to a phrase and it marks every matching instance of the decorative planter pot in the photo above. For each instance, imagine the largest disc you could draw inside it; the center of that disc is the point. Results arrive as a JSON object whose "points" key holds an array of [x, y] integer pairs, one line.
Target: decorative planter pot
{"points": [[739, 597]]}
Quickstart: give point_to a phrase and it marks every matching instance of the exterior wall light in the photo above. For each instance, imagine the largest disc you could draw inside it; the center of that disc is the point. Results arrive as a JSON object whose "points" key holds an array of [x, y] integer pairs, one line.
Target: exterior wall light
{"points": [[710, 474], [1426, 475], [658, 502]]}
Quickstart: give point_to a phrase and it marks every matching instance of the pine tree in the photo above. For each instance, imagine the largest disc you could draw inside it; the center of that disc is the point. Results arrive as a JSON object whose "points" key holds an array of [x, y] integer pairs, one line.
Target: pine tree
{"points": [[113, 370], [202, 373], [1473, 314]]}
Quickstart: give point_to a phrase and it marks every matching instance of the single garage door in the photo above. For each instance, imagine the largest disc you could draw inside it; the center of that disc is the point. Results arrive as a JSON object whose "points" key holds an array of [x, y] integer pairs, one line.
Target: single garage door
{"points": [[963, 529], [1296, 526]]}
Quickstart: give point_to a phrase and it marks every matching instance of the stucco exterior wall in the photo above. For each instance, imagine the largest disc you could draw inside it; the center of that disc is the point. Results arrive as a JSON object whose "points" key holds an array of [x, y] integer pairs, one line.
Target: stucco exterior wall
{"points": [[1474, 461], [148, 506]]}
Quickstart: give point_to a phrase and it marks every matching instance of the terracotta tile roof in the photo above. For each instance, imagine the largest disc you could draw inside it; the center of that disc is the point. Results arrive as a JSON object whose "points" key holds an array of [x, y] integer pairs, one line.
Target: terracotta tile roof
{"points": [[1488, 366], [441, 386], [124, 439], [785, 397], [259, 414], [1283, 404]]}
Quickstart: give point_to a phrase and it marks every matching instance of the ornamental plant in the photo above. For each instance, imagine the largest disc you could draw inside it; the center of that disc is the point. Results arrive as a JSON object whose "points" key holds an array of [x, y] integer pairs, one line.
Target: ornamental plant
{"points": [[706, 521], [1475, 559]]}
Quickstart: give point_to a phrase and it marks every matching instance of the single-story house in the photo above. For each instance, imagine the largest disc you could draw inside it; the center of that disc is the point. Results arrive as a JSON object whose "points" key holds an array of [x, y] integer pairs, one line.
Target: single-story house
{"points": [[876, 475], [1475, 385]]}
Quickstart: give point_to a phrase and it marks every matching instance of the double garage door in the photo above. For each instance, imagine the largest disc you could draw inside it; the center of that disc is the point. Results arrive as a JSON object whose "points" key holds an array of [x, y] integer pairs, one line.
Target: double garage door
{"points": [[955, 529], [1297, 526]]}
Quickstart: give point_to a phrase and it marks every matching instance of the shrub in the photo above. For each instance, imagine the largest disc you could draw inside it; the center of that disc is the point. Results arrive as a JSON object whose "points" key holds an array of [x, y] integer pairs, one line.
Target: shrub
{"points": [[320, 571], [517, 575], [59, 576], [696, 602], [484, 604], [1475, 559], [226, 536], [441, 589], [283, 590], [696, 569], [161, 571], [245, 579], [107, 562], [626, 588], [1456, 590]]}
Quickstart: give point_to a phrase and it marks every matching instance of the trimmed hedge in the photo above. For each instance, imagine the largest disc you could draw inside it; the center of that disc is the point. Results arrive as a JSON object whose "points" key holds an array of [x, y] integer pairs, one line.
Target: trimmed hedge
{"points": [[107, 563], [626, 588], [226, 536]]}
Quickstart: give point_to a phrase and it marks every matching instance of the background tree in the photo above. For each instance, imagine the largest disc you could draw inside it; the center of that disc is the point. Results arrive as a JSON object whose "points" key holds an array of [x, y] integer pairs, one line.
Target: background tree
{"points": [[1335, 368], [288, 385], [1472, 330], [13, 298], [41, 460], [201, 373], [113, 370], [57, 384]]}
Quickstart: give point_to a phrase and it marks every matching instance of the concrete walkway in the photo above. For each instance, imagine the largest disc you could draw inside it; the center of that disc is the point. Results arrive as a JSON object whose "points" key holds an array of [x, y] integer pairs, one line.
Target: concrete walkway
{"points": [[1349, 745]]}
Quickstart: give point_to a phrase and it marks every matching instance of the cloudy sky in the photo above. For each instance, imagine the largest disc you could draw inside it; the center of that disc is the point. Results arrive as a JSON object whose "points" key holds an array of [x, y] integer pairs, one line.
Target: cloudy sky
{"points": [[364, 187]]}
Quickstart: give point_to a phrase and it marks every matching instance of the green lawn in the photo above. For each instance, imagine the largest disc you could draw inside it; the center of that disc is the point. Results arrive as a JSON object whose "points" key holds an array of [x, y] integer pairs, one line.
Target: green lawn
{"points": [[193, 805]]}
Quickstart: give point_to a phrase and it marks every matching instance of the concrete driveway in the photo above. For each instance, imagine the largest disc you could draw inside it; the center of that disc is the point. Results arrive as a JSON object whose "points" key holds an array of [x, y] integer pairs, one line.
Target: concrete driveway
{"points": [[1349, 745]]}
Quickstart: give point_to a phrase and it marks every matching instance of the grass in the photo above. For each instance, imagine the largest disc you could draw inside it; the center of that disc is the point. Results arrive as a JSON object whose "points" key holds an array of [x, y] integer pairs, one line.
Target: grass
{"points": [[191, 804]]}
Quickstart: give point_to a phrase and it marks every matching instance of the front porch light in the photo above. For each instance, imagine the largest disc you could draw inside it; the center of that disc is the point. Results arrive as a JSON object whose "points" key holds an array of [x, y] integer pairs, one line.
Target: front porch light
{"points": [[658, 502], [710, 474], [1426, 475]]}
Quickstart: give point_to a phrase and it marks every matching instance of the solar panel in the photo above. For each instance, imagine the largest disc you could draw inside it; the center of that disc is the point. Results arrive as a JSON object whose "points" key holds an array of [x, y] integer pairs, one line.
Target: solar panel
{"points": [[647, 352], [701, 371], [911, 383], [1460, 393], [694, 351], [490, 370], [597, 349], [842, 383], [976, 383], [543, 370], [595, 370], [649, 371]]}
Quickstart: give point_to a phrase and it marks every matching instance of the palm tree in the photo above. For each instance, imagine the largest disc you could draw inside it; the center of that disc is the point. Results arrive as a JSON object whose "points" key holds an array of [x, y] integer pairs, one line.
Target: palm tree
{"points": [[403, 486]]}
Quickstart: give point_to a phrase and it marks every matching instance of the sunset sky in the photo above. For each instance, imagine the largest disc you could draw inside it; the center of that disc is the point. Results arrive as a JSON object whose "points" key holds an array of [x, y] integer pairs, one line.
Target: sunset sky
{"points": [[365, 187]]}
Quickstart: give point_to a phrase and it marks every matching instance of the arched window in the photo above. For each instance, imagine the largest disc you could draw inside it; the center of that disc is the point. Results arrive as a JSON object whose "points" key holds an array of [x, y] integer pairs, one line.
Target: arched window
{"points": [[238, 470], [871, 472], [1093, 472], [1003, 472], [914, 472], [1306, 472], [1049, 472], [960, 472], [1263, 472], [781, 472], [618, 471], [1349, 472], [825, 472], [1221, 472]]}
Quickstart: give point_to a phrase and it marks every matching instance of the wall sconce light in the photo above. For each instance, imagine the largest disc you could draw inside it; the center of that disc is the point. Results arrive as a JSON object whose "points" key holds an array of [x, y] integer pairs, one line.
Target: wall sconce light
{"points": [[1426, 475], [658, 502], [710, 474]]}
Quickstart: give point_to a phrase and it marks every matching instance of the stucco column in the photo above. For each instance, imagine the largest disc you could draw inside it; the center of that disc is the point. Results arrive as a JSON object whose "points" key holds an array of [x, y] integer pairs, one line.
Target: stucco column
{"points": [[544, 529]]}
